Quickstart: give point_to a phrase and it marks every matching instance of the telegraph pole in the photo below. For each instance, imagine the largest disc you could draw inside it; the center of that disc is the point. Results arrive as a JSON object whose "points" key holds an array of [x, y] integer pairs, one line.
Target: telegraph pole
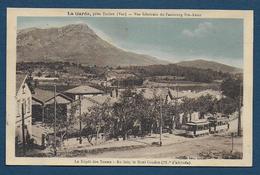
{"points": [[160, 120], [176, 99], [55, 143], [80, 122], [23, 134], [239, 111]]}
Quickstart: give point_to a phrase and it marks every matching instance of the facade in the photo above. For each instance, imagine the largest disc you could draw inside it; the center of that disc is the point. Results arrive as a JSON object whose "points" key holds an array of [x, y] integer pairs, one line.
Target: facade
{"points": [[24, 110]]}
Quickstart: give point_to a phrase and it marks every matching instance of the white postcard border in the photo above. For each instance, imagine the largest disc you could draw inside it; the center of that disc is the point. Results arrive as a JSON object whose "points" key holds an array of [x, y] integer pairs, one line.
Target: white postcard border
{"points": [[13, 13]]}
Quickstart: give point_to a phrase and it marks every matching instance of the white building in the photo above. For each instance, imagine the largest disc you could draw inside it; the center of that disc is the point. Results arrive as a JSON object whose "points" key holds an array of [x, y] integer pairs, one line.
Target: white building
{"points": [[23, 108]]}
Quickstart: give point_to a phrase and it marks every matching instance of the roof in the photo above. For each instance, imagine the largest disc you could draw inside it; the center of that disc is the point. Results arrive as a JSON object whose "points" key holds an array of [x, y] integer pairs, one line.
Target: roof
{"points": [[88, 102], [100, 99], [46, 95], [20, 78], [60, 99], [219, 119], [84, 89], [42, 95], [199, 122]]}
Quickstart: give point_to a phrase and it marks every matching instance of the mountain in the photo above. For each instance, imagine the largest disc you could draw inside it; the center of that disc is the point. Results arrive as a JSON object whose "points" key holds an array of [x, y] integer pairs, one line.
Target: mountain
{"points": [[75, 43], [203, 64]]}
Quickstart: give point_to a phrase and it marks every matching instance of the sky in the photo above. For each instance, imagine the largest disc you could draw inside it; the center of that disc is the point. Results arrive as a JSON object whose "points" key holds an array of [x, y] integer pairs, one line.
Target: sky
{"points": [[171, 39]]}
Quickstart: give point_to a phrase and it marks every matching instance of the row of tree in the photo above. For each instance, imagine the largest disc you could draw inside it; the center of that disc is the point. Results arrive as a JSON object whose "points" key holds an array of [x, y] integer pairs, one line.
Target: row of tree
{"points": [[135, 115]]}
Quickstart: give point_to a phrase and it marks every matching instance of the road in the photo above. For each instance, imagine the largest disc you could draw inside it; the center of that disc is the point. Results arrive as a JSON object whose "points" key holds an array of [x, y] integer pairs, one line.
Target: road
{"points": [[189, 148]]}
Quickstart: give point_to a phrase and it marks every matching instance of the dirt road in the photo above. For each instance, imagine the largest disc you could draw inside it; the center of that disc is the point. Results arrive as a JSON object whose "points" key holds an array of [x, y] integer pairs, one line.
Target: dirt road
{"points": [[190, 148]]}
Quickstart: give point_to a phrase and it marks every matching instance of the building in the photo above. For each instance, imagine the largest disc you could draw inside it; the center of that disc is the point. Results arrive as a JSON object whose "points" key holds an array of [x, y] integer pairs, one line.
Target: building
{"points": [[23, 129], [43, 103], [82, 91]]}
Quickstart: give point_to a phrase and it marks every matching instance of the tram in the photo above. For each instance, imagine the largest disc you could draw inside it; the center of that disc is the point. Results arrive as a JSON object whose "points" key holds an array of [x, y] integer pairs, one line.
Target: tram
{"points": [[197, 128], [218, 125], [205, 127]]}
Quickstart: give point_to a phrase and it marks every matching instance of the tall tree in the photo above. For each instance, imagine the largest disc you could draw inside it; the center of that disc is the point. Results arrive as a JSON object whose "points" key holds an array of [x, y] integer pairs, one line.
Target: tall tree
{"points": [[233, 88], [204, 104], [97, 119], [189, 106]]}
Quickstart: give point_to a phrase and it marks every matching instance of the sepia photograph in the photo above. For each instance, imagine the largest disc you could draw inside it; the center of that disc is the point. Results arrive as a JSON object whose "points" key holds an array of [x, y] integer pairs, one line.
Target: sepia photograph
{"points": [[129, 87]]}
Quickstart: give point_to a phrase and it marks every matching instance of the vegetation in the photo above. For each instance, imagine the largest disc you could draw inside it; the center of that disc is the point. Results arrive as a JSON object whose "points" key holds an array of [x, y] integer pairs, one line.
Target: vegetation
{"points": [[129, 82], [173, 70], [190, 74], [137, 116], [232, 87], [64, 125], [133, 114]]}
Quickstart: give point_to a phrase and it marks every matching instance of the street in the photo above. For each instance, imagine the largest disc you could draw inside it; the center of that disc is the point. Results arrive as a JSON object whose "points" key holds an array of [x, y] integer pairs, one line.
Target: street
{"points": [[191, 148]]}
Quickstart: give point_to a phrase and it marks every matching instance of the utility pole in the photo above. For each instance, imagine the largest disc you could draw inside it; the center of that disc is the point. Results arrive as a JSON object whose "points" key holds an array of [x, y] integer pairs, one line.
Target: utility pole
{"points": [[80, 121], [55, 142], [160, 120], [176, 105], [176, 99], [239, 111], [23, 134], [176, 102]]}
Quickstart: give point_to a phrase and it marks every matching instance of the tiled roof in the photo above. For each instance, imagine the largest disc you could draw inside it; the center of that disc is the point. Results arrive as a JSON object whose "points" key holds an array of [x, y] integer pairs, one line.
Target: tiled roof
{"points": [[84, 89], [47, 95], [42, 95], [60, 99]]}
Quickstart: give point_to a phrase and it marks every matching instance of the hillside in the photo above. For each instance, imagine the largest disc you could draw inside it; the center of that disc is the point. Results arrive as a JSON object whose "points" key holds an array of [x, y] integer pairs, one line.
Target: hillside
{"points": [[203, 64], [75, 43]]}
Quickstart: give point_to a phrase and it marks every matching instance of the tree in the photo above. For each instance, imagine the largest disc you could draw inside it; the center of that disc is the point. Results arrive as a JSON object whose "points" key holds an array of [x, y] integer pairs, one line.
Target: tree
{"points": [[124, 114], [205, 104], [65, 122], [226, 106], [232, 88], [146, 112], [97, 119], [188, 106], [134, 114], [170, 116]]}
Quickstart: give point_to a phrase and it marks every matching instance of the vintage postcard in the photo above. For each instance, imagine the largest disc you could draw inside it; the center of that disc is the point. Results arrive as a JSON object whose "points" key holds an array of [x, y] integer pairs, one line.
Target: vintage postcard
{"points": [[121, 87]]}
